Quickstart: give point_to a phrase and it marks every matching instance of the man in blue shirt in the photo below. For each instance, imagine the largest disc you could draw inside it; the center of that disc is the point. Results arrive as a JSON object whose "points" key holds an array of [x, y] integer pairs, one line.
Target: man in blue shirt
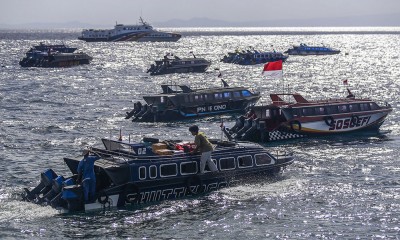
{"points": [[86, 170]]}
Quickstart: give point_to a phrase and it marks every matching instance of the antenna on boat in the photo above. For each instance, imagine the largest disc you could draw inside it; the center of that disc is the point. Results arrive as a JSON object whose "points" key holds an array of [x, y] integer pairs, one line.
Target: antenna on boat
{"points": [[224, 83]]}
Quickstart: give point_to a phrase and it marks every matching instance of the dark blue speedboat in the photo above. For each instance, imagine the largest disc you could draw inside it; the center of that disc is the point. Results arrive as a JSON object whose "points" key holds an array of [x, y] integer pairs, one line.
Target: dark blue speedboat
{"points": [[179, 102], [304, 50], [51, 59], [174, 64], [52, 47], [252, 57], [151, 171]]}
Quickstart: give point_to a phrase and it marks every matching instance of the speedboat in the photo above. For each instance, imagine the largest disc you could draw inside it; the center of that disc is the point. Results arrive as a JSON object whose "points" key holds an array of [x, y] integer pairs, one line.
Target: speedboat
{"points": [[179, 102], [304, 50], [54, 59], [62, 48], [131, 174], [174, 64], [287, 119], [142, 32], [252, 57]]}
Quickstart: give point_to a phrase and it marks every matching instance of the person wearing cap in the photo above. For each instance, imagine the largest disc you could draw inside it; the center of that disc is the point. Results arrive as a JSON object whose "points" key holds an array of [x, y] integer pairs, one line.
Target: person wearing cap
{"points": [[204, 147], [86, 170]]}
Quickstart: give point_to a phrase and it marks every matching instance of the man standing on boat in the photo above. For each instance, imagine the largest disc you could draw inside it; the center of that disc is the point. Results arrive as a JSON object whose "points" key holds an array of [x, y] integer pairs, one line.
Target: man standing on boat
{"points": [[86, 173], [204, 147]]}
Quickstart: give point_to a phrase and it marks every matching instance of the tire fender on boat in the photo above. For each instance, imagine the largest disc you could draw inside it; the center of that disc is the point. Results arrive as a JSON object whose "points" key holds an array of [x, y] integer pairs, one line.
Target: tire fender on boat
{"points": [[295, 122], [194, 180], [329, 120]]}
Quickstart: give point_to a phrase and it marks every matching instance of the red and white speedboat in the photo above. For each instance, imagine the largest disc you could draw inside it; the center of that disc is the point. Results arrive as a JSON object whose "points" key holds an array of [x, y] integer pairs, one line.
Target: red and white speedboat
{"points": [[298, 117]]}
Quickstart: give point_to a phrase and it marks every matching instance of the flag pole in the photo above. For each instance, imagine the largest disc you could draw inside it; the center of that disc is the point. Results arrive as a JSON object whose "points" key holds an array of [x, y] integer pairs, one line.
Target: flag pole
{"points": [[283, 82]]}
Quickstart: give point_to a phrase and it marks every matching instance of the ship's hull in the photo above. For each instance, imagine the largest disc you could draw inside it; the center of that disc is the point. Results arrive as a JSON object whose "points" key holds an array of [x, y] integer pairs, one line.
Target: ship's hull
{"points": [[336, 125], [180, 69], [195, 111], [305, 53], [133, 37], [55, 62], [311, 127], [253, 61], [191, 186]]}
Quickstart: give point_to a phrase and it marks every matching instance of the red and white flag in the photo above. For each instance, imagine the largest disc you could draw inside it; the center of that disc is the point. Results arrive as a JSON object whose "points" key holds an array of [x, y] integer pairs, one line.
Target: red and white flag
{"points": [[273, 69]]}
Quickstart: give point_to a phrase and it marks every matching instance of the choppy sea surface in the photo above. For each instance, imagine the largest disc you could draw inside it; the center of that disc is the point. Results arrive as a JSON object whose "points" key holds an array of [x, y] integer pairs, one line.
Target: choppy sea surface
{"points": [[338, 188]]}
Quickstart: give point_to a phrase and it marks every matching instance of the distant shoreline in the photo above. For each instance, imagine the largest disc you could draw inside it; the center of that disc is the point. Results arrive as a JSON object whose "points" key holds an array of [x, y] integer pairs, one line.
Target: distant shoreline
{"points": [[238, 31]]}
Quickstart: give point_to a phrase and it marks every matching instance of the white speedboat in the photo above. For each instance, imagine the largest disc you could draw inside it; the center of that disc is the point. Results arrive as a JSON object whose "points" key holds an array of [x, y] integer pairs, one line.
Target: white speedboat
{"points": [[142, 32]]}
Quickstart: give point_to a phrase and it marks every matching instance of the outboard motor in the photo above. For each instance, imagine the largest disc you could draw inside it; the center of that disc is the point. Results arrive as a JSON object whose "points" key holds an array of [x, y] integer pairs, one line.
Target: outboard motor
{"points": [[151, 69], [141, 112], [251, 131], [46, 181], [56, 201], [148, 112], [129, 114], [136, 108], [55, 189], [73, 195], [247, 125], [238, 125], [262, 127]]}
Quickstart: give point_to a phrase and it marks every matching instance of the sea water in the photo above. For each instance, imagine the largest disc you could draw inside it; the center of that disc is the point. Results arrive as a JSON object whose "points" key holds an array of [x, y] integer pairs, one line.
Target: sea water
{"points": [[338, 188]]}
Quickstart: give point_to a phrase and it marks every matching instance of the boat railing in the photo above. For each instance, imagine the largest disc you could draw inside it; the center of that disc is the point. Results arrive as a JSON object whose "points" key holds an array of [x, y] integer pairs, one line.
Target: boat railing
{"points": [[383, 104], [279, 154], [116, 156], [111, 155]]}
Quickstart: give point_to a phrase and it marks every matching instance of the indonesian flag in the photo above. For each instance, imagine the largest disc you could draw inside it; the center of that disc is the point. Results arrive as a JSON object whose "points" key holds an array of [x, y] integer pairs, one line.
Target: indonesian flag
{"points": [[273, 69]]}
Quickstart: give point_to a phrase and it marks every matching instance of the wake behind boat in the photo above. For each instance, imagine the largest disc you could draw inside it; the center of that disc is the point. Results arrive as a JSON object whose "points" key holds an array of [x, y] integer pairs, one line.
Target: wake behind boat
{"points": [[303, 118], [142, 32], [129, 174]]}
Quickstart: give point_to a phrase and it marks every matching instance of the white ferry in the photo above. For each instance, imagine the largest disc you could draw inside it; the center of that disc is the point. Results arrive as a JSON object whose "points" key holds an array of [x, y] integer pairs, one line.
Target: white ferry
{"points": [[142, 32]]}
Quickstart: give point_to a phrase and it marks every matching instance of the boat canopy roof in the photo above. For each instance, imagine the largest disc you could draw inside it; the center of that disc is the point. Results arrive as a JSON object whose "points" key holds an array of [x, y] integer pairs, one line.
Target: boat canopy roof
{"points": [[175, 89], [299, 100]]}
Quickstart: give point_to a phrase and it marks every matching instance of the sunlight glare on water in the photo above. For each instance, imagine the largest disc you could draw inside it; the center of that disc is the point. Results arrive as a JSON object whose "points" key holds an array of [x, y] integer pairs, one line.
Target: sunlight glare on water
{"points": [[338, 188]]}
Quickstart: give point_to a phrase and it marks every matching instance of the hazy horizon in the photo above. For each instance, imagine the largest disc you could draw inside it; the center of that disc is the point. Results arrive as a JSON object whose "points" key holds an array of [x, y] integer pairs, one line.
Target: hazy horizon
{"points": [[183, 13]]}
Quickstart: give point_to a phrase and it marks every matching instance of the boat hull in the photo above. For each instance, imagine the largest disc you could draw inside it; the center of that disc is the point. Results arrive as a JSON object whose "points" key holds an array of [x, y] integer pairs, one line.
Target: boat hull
{"points": [[189, 69], [133, 37], [310, 127], [46, 63], [196, 111], [253, 61], [305, 53], [191, 186], [351, 123], [128, 175]]}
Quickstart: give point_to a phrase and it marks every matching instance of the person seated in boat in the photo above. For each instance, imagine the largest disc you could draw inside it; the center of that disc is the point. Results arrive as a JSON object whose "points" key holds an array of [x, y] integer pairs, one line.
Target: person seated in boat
{"points": [[204, 147], [351, 95], [251, 114], [86, 173]]}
